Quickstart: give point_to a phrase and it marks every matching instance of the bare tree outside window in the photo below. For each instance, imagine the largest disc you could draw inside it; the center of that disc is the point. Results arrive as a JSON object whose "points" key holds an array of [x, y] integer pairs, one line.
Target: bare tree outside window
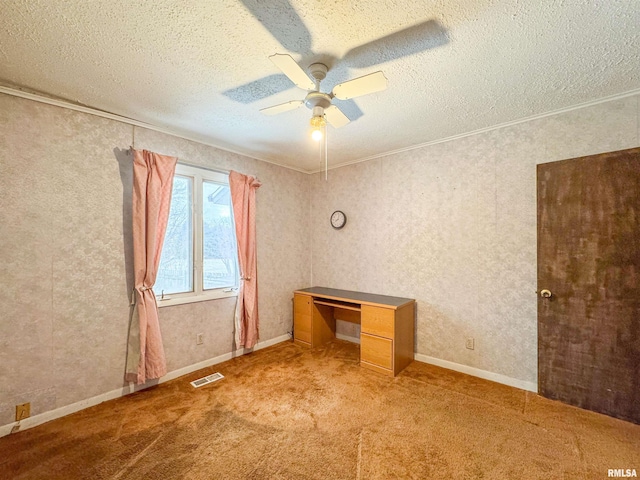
{"points": [[219, 266], [176, 263]]}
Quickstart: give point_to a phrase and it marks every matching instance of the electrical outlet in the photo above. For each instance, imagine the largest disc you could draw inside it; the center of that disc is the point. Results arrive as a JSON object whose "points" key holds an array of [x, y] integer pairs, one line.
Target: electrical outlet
{"points": [[199, 338], [470, 343], [23, 411]]}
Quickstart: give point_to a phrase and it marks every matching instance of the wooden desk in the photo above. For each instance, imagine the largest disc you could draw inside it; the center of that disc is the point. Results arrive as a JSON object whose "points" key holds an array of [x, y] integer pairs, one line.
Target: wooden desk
{"points": [[387, 331]]}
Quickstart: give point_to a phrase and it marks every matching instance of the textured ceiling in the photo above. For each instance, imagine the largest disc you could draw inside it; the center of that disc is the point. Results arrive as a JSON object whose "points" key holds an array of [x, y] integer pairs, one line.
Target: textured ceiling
{"points": [[201, 68]]}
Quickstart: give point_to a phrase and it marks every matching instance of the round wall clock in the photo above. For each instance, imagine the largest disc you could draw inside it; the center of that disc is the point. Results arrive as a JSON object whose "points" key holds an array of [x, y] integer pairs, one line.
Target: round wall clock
{"points": [[338, 219]]}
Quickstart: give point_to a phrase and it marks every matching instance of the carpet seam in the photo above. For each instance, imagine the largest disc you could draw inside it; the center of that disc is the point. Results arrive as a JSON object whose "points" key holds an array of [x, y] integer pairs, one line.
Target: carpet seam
{"points": [[132, 462], [359, 463], [465, 395]]}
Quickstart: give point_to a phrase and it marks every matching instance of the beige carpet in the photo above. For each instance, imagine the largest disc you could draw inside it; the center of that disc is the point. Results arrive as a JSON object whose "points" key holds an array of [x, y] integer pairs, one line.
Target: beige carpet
{"points": [[286, 412]]}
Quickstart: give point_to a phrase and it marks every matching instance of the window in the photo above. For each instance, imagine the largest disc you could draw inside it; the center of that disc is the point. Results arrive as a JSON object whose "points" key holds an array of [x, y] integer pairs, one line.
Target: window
{"points": [[199, 258]]}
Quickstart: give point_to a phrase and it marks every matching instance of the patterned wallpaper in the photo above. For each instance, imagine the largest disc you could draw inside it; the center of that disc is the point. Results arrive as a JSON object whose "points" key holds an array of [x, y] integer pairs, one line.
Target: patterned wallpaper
{"points": [[453, 225], [65, 184]]}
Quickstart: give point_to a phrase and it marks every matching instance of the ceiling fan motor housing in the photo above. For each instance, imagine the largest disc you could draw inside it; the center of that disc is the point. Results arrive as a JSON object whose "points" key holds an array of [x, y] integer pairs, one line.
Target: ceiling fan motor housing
{"points": [[317, 99]]}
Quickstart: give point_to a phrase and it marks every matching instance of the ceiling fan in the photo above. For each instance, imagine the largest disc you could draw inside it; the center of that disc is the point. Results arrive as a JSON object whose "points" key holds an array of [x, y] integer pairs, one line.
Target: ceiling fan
{"points": [[281, 19], [319, 102]]}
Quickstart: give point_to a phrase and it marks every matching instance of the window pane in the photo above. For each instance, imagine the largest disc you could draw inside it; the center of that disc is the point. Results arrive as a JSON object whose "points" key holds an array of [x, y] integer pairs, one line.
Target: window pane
{"points": [[176, 263], [219, 240]]}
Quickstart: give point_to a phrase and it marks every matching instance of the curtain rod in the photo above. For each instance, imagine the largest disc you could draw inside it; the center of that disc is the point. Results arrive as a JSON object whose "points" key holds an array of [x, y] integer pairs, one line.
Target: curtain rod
{"points": [[217, 170], [211, 169]]}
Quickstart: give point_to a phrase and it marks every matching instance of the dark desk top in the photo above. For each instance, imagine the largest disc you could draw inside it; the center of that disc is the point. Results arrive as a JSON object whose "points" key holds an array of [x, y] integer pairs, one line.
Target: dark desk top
{"points": [[356, 297]]}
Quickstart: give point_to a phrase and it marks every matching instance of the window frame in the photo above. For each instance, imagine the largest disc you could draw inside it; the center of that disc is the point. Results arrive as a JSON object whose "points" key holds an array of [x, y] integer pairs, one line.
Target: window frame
{"points": [[199, 175]]}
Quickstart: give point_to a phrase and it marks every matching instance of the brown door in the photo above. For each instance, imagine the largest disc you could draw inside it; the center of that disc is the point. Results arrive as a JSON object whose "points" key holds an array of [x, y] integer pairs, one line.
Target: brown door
{"points": [[589, 262]]}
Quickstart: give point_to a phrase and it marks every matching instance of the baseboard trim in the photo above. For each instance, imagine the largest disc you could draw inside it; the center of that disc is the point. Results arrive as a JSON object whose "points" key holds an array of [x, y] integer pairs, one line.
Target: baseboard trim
{"points": [[131, 388], [341, 336], [476, 372], [223, 358]]}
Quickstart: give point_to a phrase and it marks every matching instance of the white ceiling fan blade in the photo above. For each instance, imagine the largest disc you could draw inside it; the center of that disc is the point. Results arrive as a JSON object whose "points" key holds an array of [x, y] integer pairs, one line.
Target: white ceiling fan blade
{"points": [[374, 82], [292, 70], [335, 116], [283, 107]]}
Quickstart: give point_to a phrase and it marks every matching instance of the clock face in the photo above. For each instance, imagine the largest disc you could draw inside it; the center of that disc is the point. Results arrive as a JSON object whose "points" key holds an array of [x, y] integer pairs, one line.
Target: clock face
{"points": [[338, 219]]}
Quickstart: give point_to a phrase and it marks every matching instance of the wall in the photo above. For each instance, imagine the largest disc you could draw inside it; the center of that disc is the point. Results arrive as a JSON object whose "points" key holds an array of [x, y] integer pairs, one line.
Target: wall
{"points": [[453, 225], [65, 255]]}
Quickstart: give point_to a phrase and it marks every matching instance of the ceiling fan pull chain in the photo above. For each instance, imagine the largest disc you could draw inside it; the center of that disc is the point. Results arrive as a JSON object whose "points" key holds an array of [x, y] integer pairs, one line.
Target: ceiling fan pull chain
{"points": [[326, 153], [320, 153]]}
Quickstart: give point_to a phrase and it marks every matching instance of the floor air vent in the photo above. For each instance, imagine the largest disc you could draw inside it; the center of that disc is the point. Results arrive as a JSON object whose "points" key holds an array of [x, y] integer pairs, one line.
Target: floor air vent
{"points": [[208, 379]]}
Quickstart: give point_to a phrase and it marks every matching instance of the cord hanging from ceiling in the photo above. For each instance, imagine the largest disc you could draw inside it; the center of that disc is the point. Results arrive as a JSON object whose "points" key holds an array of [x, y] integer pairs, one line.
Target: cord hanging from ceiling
{"points": [[319, 134], [326, 153]]}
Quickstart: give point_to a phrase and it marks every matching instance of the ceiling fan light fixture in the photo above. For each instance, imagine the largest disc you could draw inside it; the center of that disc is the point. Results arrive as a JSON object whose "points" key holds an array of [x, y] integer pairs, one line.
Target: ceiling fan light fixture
{"points": [[317, 135], [318, 124]]}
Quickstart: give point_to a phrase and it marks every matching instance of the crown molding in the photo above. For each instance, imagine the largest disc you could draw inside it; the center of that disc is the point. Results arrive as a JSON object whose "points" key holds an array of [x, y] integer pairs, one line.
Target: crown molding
{"points": [[579, 106], [92, 111], [130, 121]]}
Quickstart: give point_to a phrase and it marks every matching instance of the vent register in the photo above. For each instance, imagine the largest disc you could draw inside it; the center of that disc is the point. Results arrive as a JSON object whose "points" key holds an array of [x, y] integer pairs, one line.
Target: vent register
{"points": [[207, 380]]}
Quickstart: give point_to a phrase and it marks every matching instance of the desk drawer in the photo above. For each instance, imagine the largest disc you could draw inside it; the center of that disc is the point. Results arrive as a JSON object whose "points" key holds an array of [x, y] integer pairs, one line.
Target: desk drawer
{"points": [[378, 321], [302, 305], [376, 350], [302, 327]]}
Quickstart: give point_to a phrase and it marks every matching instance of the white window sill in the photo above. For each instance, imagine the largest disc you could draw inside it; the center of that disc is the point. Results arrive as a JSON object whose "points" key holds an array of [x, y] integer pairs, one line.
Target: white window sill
{"points": [[182, 298]]}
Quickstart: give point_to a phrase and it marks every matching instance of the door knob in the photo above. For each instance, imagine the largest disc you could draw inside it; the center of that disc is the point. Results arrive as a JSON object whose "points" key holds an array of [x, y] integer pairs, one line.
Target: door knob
{"points": [[545, 293]]}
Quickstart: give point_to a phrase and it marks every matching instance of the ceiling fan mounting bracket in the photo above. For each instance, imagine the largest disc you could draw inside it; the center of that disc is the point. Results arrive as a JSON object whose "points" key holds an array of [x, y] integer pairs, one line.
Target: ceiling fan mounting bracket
{"points": [[318, 71]]}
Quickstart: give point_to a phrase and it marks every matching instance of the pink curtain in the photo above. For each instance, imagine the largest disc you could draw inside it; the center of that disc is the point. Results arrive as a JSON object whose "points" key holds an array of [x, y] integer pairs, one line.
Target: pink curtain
{"points": [[152, 185], [243, 197]]}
